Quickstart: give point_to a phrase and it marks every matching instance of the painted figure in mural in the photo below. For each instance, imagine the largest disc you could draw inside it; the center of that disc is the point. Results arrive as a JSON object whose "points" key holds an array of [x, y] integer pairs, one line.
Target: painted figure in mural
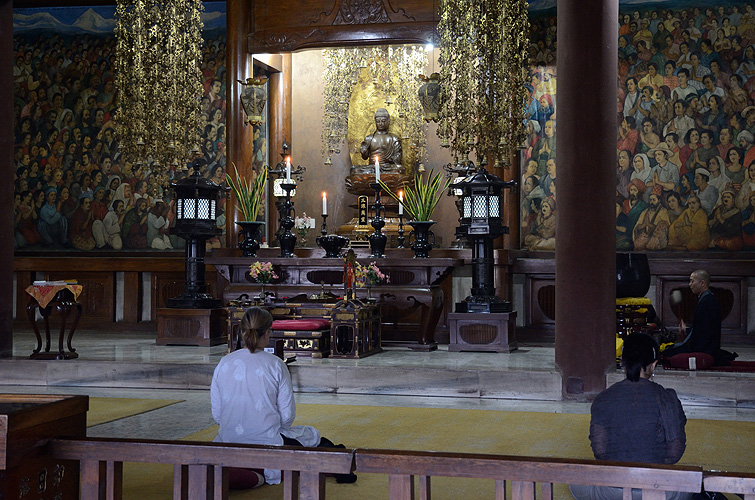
{"points": [[134, 230], [708, 194], [634, 205], [690, 231], [543, 235], [718, 177], [623, 238], [53, 227], [651, 230], [674, 204], [81, 235], [108, 231], [545, 147], [747, 188], [726, 224], [157, 227], [748, 223], [623, 172]]}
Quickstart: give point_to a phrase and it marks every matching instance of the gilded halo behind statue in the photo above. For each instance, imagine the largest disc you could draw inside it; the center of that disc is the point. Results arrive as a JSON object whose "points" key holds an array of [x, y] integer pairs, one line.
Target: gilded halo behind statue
{"points": [[373, 131]]}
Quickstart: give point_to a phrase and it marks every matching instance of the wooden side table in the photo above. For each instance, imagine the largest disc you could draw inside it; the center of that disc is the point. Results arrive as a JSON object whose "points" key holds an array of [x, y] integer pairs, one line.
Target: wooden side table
{"points": [[487, 332], [63, 299]]}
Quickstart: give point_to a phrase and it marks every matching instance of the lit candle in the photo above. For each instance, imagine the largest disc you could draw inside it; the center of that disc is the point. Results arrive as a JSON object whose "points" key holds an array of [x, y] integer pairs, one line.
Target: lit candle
{"points": [[401, 203], [288, 168], [324, 203], [377, 169]]}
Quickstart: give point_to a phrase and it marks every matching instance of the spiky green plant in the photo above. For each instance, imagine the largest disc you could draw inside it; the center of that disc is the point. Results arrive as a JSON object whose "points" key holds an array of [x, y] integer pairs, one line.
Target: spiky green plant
{"points": [[248, 193], [421, 200]]}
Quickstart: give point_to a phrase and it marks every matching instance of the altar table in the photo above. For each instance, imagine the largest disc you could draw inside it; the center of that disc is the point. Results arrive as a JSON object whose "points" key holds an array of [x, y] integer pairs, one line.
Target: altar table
{"points": [[412, 305], [63, 298]]}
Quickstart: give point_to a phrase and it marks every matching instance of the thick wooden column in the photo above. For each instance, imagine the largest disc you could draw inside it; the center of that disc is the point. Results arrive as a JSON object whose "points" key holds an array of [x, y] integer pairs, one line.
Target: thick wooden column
{"points": [[6, 196], [585, 236], [238, 134], [279, 98]]}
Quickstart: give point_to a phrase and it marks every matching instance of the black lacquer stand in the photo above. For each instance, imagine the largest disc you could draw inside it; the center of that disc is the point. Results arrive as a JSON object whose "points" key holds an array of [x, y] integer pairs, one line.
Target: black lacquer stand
{"points": [[401, 239], [287, 239], [377, 238]]}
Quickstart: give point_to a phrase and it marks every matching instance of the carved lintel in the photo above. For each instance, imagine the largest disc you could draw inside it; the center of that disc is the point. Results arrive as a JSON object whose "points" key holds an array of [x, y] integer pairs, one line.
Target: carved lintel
{"points": [[362, 12], [290, 39]]}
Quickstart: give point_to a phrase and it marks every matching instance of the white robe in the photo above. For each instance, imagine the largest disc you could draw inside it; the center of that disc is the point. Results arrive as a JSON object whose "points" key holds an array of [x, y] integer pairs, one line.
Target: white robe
{"points": [[253, 402]]}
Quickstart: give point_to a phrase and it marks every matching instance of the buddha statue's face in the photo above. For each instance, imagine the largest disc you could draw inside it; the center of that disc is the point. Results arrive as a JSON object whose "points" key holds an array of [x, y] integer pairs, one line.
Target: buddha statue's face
{"points": [[382, 122]]}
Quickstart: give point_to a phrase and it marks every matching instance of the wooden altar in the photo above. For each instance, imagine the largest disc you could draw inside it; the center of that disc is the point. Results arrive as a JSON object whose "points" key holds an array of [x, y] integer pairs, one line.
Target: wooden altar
{"points": [[413, 305]]}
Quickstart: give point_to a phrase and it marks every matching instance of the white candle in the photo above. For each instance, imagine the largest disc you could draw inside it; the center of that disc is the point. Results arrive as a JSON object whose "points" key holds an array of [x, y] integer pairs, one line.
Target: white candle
{"points": [[401, 203], [324, 203], [377, 169], [288, 168]]}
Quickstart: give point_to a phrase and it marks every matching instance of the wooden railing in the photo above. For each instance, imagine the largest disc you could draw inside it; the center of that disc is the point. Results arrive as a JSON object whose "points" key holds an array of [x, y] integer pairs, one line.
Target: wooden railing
{"points": [[523, 473], [724, 482], [198, 472]]}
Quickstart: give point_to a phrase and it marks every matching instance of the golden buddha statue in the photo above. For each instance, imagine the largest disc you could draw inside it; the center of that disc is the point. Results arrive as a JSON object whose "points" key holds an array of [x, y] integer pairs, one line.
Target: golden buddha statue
{"points": [[386, 148]]}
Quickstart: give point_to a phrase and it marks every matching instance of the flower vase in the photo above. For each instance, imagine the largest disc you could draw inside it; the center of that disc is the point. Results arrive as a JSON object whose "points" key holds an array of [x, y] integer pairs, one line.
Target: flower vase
{"points": [[252, 237], [263, 294], [369, 292], [422, 238]]}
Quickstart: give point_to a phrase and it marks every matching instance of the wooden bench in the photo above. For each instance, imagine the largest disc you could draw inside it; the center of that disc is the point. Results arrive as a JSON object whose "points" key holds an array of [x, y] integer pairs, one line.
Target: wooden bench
{"points": [[727, 482], [523, 472], [198, 467], [199, 470]]}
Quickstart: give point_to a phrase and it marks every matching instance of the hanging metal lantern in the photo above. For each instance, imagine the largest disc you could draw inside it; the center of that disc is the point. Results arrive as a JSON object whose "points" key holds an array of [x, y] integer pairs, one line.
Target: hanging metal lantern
{"points": [[254, 98], [429, 96]]}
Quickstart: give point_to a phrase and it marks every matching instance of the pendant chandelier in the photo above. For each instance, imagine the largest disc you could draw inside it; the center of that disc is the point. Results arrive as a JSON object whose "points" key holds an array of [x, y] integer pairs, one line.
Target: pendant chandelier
{"points": [[159, 80], [483, 46]]}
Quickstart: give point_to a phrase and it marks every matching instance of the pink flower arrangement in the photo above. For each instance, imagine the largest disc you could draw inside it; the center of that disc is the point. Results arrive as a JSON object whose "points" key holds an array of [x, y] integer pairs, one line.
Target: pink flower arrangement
{"points": [[262, 272], [370, 275]]}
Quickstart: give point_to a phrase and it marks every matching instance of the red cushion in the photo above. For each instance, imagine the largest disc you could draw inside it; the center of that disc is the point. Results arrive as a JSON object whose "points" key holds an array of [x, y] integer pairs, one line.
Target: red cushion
{"points": [[681, 361], [301, 324], [245, 479]]}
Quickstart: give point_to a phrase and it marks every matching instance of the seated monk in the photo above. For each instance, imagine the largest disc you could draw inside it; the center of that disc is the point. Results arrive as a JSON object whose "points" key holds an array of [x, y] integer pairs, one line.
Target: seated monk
{"points": [[380, 144]]}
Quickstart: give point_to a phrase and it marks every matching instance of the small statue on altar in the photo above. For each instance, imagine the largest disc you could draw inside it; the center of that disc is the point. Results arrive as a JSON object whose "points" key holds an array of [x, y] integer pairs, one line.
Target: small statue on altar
{"points": [[384, 146]]}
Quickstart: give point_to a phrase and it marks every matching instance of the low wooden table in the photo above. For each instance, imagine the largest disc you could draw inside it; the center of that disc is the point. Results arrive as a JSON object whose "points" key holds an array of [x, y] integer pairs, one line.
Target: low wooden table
{"points": [[62, 298]]}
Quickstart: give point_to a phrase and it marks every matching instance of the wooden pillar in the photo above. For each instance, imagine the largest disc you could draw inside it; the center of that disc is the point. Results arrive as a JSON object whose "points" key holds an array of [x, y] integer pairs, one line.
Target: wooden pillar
{"points": [[6, 198], [279, 98], [585, 236], [238, 134]]}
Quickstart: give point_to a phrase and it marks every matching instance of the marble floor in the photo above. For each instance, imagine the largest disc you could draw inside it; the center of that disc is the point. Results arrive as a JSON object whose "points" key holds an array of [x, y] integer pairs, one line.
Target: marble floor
{"points": [[119, 365]]}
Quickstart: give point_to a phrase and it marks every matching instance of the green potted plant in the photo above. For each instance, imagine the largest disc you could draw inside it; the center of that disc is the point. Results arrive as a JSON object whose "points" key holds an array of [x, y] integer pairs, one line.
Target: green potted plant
{"points": [[249, 196], [420, 202]]}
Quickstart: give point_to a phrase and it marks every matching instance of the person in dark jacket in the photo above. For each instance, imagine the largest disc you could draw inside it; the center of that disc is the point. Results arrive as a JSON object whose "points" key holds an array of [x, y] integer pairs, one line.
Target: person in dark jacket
{"points": [[636, 420], [705, 334]]}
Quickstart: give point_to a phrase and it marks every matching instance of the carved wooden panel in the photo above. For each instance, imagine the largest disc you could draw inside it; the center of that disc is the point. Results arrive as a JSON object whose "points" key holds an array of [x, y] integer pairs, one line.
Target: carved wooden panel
{"points": [[540, 300], [97, 297], [327, 23]]}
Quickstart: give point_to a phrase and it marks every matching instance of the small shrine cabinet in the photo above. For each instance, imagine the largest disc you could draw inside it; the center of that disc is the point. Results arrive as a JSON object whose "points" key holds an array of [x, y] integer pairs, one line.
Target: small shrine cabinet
{"points": [[355, 330]]}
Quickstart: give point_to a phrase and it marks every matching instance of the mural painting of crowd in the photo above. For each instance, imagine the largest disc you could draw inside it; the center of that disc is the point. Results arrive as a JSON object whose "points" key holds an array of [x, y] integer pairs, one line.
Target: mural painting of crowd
{"points": [[685, 167], [72, 189]]}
